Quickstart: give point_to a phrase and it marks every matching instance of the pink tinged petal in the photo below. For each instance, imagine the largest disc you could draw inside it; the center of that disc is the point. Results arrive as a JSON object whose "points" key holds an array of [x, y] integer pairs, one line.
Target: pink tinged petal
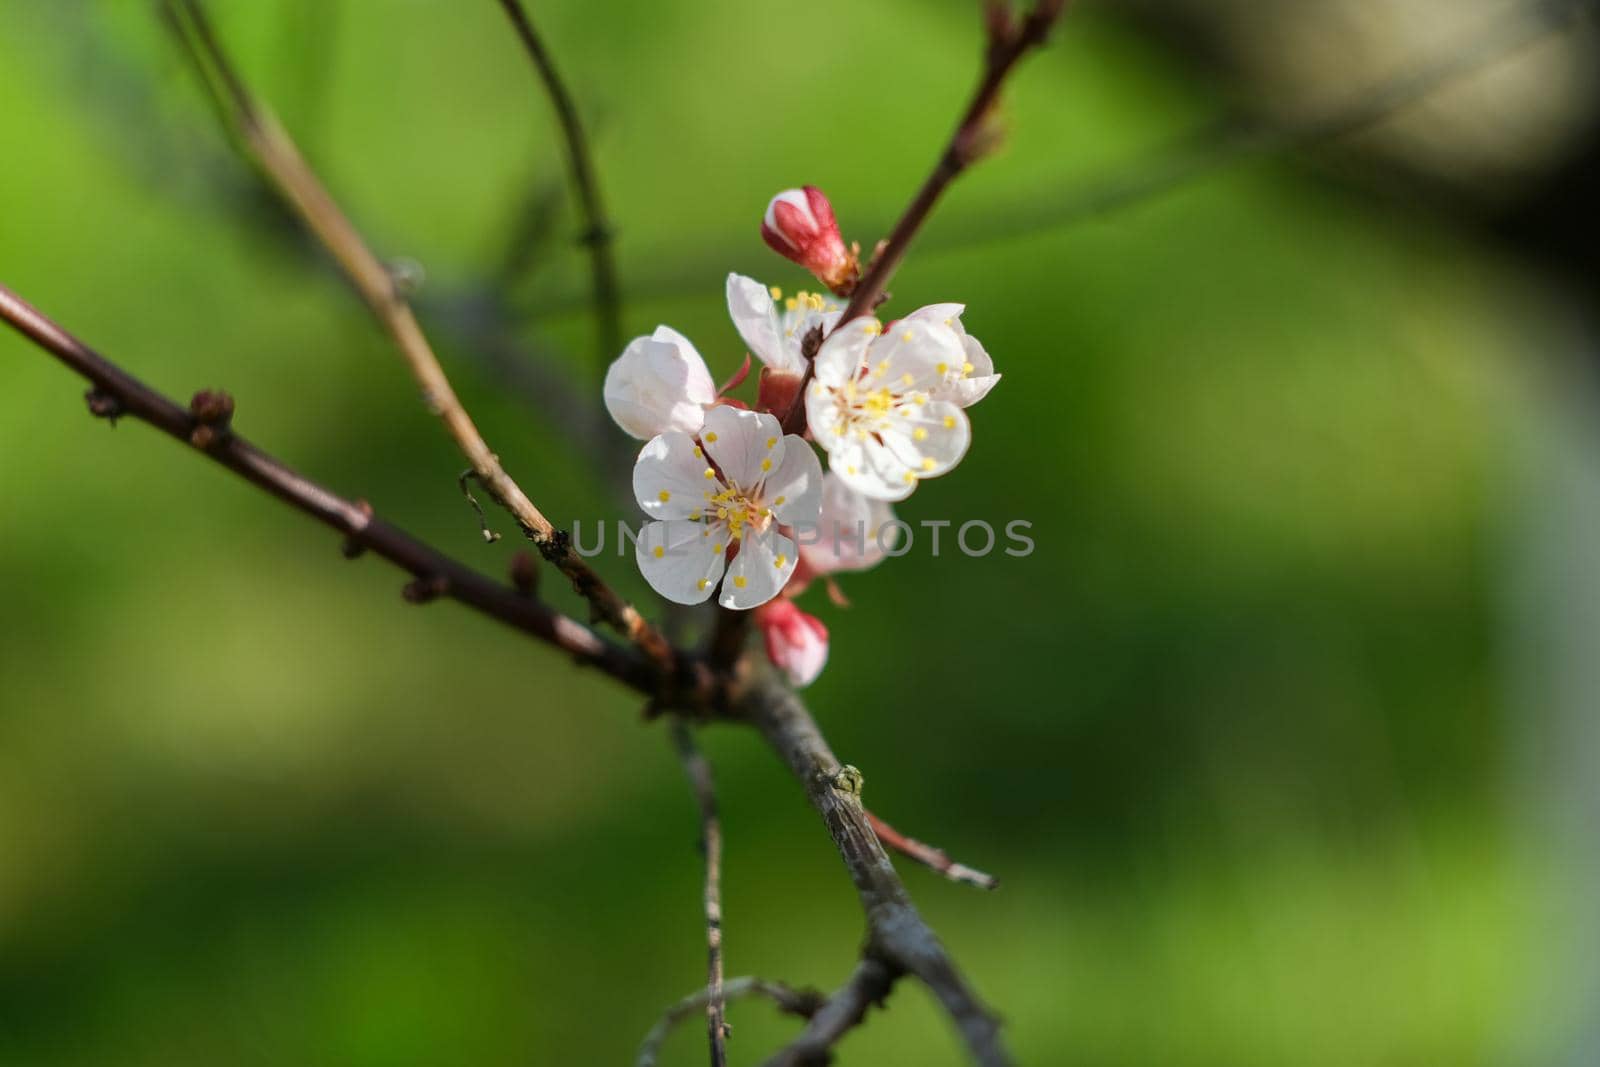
{"points": [[747, 445], [853, 530], [698, 384], [677, 559], [669, 477], [658, 384], [793, 489], [841, 356], [929, 439], [865, 467], [755, 316], [760, 570], [797, 643]]}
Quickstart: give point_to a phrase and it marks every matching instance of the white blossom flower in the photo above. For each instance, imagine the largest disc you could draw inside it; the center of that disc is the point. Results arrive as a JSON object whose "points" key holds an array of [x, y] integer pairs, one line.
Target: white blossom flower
{"points": [[971, 381], [659, 384], [736, 485], [853, 531], [773, 334], [871, 403], [797, 642]]}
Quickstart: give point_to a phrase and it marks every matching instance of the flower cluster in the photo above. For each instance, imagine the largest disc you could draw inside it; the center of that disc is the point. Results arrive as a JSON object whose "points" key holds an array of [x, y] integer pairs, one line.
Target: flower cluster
{"points": [[742, 510]]}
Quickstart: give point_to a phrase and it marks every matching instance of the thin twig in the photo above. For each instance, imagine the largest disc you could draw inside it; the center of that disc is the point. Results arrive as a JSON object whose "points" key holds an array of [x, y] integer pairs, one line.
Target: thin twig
{"points": [[698, 770], [935, 859], [801, 1002], [844, 1010], [117, 392], [275, 152], [1010, 39]]}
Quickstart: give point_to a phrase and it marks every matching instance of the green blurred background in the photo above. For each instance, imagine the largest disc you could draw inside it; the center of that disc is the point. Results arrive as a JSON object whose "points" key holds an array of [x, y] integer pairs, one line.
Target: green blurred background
{"points": [[1280, 743]]}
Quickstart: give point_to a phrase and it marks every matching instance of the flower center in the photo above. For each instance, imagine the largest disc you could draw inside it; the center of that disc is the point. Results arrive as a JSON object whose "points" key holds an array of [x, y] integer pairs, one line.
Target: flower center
{"points": [[736, 509]]}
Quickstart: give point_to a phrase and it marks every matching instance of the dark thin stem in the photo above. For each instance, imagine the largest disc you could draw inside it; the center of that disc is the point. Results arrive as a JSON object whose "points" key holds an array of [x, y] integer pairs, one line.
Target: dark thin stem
{"points": [[801, 1002], [1009, 41], [842, 1012], [935, 859], [122, 394], [597, 233], [698, 770]]}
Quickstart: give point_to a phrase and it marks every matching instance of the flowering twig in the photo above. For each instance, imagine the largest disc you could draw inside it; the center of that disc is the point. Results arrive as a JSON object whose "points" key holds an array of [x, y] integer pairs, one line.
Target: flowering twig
{"points": [[698, 771], [1010, 38], [205, 426], [801, 1002], [933, 858], [275, 152]]}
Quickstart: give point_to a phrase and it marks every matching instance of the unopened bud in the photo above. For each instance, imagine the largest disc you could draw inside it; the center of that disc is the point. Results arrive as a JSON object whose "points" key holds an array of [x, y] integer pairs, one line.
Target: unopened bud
{"points": [[799, 225], [797, 643]]}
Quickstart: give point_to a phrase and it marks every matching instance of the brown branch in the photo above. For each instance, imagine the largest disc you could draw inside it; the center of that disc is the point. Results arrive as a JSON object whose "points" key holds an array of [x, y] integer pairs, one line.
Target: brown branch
{"points": [[279, 159], [897, 937], [597, 233], [935, 859], [801, 1002], [841, 1012], [698, 770], [205, 427], [1010, 39]]}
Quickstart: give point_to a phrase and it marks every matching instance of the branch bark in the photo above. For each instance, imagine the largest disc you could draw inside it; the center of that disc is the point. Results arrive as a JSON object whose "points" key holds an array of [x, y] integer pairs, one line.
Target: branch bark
{"points": [[117, 393], [935, 859], [802, 1002], [280, 160], [698, 770]]}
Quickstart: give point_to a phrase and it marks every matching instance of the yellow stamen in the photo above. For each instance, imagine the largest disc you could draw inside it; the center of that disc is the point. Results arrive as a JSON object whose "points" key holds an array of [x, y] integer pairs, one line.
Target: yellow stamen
{"points": [[739, 581], [665, 496], [660, 552], [711, 438]]}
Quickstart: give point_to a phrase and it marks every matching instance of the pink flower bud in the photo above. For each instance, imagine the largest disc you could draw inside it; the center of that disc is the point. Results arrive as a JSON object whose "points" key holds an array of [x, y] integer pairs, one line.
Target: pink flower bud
{"points": [[797, 643], [799, 225]]}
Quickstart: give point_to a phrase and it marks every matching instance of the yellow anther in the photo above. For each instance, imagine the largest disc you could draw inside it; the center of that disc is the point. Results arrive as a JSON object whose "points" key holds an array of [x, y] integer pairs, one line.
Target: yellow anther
{"points": [[928, 464], [659, 552], [906, 336], [665, 496], [694, 516], [702, 583], [949, 422], [766, 464], [698, 454], [716, 549], [711, 438], [778, 503], [777, 294], [790, 304], [966, 368], [919, 434], [873, 327], [910, 477], [850, 470], [942, 368], [881, 369], [780, 561], [710, 473], [907, 379], [771, 441], [739, 581]]}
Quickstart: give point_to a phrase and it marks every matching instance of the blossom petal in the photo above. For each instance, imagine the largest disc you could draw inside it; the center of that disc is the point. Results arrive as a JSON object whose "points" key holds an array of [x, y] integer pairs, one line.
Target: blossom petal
{"points": [[948, 314], [669, 477], [841, 355], [852, 533], [970, 383], [929, 438], [747, 445], [755, 316], [682, 560], [915, 354], [794, 488], [871, 470], [760, 570], [658, 384]]}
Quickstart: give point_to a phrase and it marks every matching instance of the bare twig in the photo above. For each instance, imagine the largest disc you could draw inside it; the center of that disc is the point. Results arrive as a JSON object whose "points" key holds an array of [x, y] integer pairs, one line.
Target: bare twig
{"points": [[841, 1012], [801, 1002], [116, 392], [275, 152], [897, 937], [1010, 38], [698, 770], [597, 233], [933, 858]]}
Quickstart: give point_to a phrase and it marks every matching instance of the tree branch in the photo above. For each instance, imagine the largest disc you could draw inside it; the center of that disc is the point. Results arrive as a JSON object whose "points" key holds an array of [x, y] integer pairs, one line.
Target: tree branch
{"points": [[840, 1013], [698, 771], [1010, 39], [275, 152], [802, 1002], [117, 393], [897, 937], [935, 859]]}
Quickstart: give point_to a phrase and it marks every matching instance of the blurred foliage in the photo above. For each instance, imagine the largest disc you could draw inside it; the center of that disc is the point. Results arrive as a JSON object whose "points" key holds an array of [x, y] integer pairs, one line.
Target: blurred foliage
{"points": [[1234, 737]]}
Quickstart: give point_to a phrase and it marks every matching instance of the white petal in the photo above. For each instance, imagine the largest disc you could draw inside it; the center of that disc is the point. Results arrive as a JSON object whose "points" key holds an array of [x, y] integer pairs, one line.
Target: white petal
{"points": [[841, 355], [948, 314], [755, 316], [915, 354], [760, 570], [823, 415], [866, 467], [794, 488], [849, 528], [747, 445], [967, 387], [669, 478], [658, 385], [677, 559], [928, 438]]}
